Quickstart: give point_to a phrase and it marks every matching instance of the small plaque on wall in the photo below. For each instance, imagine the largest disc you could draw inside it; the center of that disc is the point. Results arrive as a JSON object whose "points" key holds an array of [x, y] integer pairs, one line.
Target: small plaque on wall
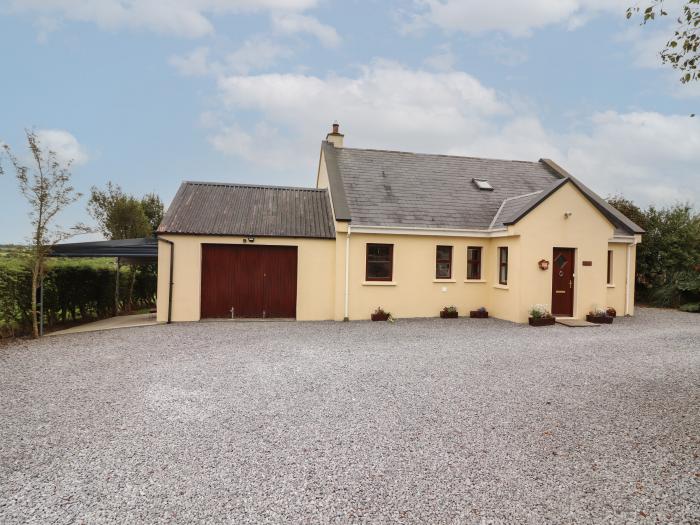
{"points": [[587, 263]]}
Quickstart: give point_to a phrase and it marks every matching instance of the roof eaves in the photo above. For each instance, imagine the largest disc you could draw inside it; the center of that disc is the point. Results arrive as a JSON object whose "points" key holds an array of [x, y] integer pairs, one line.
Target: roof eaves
{"points": [[613, 214], [335, 183]]}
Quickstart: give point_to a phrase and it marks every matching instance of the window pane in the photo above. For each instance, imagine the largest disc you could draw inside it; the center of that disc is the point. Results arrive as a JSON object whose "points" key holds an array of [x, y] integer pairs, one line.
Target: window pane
{"points": [[378, 251], [443, 262], [443, 271], [503, 266], [444, 253], [379, 262], [474, 263], [610, 260], [378, 270]]}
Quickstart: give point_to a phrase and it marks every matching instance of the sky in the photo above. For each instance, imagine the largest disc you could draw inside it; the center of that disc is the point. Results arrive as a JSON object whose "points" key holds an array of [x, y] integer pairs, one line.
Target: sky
{"points": [[148, 93]]}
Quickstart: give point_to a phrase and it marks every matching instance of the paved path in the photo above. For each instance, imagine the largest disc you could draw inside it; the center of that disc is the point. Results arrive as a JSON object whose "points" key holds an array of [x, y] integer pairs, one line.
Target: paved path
{"points": [[122, 321]]}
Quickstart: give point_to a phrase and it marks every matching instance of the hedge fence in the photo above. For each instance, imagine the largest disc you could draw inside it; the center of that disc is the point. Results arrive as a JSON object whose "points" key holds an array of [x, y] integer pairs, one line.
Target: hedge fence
{"points": [[75, 292]]}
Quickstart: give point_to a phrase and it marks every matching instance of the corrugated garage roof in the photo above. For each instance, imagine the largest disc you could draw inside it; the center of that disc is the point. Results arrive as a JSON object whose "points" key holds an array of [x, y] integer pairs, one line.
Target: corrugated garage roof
{"points": [[208, 208]]}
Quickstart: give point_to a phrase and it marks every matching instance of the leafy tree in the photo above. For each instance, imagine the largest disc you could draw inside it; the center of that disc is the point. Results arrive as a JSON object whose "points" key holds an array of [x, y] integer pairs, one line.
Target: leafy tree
{"points": [[45, 184], [682, 51], [153, 208], [121, 216], [668, 259]]}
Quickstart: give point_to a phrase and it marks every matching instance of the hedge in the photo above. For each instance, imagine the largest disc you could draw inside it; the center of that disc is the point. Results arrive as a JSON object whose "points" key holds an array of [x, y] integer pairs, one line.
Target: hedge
{"points": [[72, 292]]}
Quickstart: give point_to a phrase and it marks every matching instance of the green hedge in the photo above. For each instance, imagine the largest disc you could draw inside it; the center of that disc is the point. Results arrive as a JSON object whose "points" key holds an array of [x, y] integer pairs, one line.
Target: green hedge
{"points": [[72, 292]]}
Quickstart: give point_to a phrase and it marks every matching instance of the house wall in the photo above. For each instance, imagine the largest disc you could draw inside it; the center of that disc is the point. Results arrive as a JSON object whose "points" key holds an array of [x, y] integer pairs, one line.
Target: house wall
{"points": [[616, 291], [543, 229], [316, 275], [414, 291]]}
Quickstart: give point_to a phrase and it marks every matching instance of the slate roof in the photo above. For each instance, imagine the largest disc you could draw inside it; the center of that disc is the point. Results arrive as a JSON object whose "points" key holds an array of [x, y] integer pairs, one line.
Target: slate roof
{"points": [[400, 189], [208, 208]]}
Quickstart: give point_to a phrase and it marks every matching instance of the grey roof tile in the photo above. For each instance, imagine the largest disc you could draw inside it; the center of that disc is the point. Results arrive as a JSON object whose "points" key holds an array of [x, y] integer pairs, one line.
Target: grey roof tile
{"points": [[207, 208], [394, 188]]}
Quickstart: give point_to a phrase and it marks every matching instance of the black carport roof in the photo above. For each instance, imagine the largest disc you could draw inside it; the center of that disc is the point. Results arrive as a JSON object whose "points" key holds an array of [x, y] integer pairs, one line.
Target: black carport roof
{"points": [[145, 248]]}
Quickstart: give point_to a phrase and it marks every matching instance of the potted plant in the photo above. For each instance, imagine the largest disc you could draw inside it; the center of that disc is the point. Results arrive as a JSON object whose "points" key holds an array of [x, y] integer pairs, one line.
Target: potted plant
{"points": [[599, 316], [540, 316], [449, 312], [479, 313], [611, 311], [380, 315]]}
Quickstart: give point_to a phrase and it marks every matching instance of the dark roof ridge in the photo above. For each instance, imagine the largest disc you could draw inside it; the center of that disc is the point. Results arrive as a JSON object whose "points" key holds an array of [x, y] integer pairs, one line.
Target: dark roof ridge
{"points": [[421, 154], [244, 185]]}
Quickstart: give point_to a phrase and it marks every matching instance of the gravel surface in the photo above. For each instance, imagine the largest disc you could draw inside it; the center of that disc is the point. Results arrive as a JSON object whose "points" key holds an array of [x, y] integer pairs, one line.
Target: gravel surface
{"points": [[439, 421]]}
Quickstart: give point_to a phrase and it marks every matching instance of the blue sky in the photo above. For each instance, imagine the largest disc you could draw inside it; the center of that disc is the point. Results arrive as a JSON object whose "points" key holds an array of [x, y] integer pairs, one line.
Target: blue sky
{"points": [[148, 93]]}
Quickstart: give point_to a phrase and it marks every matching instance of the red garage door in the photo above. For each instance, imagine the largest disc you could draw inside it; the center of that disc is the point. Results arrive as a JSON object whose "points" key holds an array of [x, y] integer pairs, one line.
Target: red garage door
{"points": [[256, 281]]}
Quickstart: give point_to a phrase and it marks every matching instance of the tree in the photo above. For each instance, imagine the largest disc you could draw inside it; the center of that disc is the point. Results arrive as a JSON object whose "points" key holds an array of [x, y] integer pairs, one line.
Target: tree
{"points": [[120, 216], [668, 259], [682, 51], [153, 208], [46, 187]]}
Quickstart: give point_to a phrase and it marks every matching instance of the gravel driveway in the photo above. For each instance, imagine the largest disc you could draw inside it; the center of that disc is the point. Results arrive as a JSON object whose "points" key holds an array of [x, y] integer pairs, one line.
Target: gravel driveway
{"points": [[418, 421]]}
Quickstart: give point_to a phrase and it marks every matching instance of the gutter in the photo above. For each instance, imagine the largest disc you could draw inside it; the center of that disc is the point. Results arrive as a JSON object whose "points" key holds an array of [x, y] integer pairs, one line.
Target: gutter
{"points": [[347, 275], [627, 279], [170, 278]]}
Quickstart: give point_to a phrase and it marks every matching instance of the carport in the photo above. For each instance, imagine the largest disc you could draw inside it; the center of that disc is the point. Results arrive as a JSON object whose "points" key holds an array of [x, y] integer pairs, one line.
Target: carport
{"points": [[124, 251]]}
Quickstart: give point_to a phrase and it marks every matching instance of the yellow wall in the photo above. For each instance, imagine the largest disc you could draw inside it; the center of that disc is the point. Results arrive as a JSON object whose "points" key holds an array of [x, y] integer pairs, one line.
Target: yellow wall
{"points": [[315, 275], [414, 291], [586, 230]]}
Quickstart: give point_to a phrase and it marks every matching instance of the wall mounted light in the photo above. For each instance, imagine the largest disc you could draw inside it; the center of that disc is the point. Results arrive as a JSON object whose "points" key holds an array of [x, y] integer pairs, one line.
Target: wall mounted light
{"points": [[543, 264], [568, 214]]}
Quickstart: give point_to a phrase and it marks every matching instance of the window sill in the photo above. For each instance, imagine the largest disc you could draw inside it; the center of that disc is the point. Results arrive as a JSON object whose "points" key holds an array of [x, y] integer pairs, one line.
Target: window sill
{"points": [[474, 280], [444, 281], [378, 283], [611, 286], [501, 286]]}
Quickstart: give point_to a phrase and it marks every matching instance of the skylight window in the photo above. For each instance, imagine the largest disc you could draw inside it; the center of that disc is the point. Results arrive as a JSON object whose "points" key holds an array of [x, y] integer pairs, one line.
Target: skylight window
{"points": [[482, 184]]}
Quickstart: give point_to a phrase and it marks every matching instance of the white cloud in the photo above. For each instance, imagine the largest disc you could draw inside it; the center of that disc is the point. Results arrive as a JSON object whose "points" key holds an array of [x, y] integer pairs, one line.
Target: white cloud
{"points": [[256, 54], [649, 157], [64, 144], [442, 60], [187, 18], [514, 17], [195, 63], [292, 23]]}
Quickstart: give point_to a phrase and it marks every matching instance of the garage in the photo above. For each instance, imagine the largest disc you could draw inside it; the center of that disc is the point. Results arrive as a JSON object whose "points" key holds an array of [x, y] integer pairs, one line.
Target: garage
{"points": [[245, 281]]}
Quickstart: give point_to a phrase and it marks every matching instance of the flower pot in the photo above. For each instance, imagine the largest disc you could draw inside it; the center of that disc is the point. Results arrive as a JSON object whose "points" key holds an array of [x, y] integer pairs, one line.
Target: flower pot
{"points": [[478, 314], [448, 315], [611, 312], [542, 321], [380, 317], [599, 319]]}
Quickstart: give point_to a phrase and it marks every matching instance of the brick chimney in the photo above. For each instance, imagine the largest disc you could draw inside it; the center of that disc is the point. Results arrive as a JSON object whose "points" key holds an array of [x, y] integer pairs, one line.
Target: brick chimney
{"points": [[335, 137]]}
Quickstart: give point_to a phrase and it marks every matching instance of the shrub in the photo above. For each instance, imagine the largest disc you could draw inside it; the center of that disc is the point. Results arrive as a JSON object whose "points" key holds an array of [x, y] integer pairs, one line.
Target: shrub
{"points": [[540, 311], [73, 291]]}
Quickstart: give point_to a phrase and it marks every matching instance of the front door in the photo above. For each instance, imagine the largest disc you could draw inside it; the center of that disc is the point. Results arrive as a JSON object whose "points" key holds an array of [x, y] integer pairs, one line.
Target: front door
{"points": [[563, 282]]}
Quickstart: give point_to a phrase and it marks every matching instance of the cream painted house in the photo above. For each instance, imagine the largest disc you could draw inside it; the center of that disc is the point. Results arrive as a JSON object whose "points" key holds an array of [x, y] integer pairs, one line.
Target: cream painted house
{"points": [[409, 232]]}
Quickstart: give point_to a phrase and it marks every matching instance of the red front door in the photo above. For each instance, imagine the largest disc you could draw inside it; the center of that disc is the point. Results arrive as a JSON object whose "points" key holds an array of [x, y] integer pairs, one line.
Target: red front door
{"points": [[563, 282]]}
